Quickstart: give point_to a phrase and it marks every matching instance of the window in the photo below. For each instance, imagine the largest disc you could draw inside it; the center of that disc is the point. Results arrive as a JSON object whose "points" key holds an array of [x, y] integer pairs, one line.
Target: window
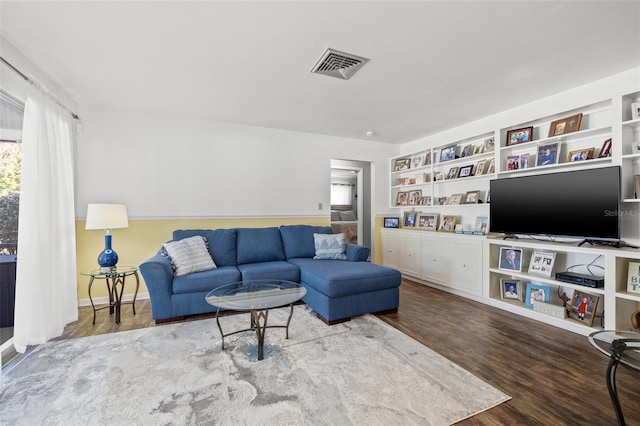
{"points": [[341, 194]]}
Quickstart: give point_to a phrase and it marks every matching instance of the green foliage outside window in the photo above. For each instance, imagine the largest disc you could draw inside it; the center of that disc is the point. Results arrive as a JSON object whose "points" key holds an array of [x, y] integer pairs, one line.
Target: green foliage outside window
{"points": [[10, 167]]}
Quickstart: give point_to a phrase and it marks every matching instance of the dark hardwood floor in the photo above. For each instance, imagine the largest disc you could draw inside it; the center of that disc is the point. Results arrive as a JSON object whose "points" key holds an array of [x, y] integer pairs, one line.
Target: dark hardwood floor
{"points": [[554, 376]]}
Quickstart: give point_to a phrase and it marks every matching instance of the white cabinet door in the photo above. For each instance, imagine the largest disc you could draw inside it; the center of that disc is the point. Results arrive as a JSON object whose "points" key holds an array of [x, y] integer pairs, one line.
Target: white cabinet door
{"points": [[466, 266], [410, 254], [435, 260], [391, 249]]}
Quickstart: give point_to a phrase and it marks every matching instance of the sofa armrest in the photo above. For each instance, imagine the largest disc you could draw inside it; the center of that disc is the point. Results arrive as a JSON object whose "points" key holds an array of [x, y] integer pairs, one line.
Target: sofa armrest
{"points": [[158, 277], [357, 253]]}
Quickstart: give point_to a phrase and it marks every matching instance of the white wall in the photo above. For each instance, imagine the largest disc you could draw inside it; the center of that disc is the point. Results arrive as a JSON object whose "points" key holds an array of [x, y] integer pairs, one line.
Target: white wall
{"points": [[174, 167]]}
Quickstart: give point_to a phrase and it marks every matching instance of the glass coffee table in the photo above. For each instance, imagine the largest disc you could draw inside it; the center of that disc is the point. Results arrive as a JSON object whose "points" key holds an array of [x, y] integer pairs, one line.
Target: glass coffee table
{"points": [[256, 297]]}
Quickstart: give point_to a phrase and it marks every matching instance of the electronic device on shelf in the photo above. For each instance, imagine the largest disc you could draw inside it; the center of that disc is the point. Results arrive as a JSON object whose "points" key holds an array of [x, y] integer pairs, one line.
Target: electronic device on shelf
{"points": [[391, 222], [580, 203], [580, 279]]}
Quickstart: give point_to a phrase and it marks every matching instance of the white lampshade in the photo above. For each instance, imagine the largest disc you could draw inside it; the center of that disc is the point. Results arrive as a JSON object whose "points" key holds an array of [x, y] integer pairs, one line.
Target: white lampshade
{"points": [[106, 216]]}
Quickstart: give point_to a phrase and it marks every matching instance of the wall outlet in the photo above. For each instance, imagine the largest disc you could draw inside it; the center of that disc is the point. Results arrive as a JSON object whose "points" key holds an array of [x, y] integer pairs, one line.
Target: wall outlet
{"points": [[319, 206]]}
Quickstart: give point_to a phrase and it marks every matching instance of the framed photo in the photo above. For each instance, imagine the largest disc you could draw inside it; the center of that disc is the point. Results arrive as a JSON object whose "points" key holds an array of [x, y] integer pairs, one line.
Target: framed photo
{"points": [[453, 173], [635, 111], [455, 199], [480, 168], [401, 164], [542, 262], [439, 176], [536, 292], [402, 199], [511, 290], [547, 154], [428, 221], [633, 277], [424, 201], [510, 259], [477, 149], [482, 224], [465, 171], [517, 136], [442, 201], [513, 162], [448, 223], [447, 154], [605, 151], [492, 166], [580, 155], [427, 159], [466, 151], [409, 219], [565, 125], [488, 145], [414, 196], [391, 222], [524, 161], [417, 161], [472, 197], [583, 307]]}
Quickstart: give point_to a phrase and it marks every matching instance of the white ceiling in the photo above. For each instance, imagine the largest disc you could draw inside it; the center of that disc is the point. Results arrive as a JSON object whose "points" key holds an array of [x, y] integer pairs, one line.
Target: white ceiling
{"points": [[433, 64]]}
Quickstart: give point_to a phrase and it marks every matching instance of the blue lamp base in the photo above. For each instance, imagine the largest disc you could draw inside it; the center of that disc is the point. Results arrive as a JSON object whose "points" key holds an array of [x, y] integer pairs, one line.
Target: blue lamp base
{"points": [[108, 258]]}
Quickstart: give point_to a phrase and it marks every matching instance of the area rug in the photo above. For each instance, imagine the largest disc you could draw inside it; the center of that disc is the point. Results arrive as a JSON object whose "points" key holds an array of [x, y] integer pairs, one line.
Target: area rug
{"points": [[362, 372]]}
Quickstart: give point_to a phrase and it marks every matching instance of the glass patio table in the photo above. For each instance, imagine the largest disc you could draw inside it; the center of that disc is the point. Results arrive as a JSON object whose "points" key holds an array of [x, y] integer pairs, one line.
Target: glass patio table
{"points": [[256, 297]]}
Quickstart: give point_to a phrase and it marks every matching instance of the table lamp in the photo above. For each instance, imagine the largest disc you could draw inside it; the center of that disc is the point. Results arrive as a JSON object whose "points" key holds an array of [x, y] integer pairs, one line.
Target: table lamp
{"points": [[107, 217]]}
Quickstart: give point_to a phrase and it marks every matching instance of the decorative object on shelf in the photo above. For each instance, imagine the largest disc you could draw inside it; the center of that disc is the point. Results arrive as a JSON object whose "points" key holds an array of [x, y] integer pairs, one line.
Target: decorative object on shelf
{"points": [[401, 164], [455, 200], [635, 111], [414, 196], [409, 219], [580, 155], [488, 197], [448, 154], [511, 290], [442, 201], [402, 199], [427, 159], [492, 166], [635, 321], [565, 125], [448, 223], [510, 259], [636, 179], [482, 224], [635, 147], [547, 154], [459, 229], [439, 176], [583, 307], [477, 149], [633, 277], [428, 221], [513, 162], [480, 168], [536, 292], [488, 145], [524, 161], [517, 136], [453, 173], [391, 222], [472, 197], [605, 151], [422, 178], [465, 171], [107, 217], [555, 311], [417, 161], [424, 201], [465, 151], [542, 262]]}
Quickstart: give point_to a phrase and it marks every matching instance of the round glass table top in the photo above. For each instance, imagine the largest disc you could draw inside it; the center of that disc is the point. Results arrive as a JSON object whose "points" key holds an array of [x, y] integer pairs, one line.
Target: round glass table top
{"points": [[256, 294], [119, 270], [603, 340]]}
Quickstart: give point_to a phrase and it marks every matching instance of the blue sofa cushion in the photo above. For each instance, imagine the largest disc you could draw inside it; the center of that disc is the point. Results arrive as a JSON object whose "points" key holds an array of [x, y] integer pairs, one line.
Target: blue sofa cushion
{"points": [[298, 239], [221, 242], [206, 281], [337, 278], [278, 270], [255, 245]]}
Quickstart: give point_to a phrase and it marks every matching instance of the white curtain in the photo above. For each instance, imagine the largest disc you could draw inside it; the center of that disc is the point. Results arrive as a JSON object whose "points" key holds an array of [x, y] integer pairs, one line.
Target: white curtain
{"points": [[46, 296], [341, 194]]}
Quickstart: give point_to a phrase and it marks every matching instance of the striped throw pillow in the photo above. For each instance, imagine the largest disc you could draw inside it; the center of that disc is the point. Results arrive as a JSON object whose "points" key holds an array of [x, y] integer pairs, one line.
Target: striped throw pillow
{"points": [[189, 255]]}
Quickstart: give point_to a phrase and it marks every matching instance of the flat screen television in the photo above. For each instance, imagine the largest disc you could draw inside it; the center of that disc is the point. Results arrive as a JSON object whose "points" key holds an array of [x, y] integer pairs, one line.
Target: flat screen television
{"points": [[582, 203]]}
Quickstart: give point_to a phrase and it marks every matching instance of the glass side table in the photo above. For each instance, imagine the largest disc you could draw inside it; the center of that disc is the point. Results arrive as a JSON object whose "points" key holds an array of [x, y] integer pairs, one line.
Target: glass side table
{"points": [[114, 279], [623, 348]]}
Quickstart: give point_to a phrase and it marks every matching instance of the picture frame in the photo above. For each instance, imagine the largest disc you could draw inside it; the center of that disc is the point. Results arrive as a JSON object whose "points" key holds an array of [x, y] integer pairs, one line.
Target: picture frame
{"points": [[401, 164], [427, 159], [541, 262], [517, 136], [465, 171], [488, 145], [635, 110], [448, 223], [465, 151], [402, 198], [480, 168], [428, 221], [442, 201], [455, 199], [425, 200], [414, 196], [409, 219], [477, 149], [580, 155], [472, 197], [439, 176], [633, 277], [605, 151], [583, 307], [391, 222], [524, 161], [511, 290], [448, 154], [453, 173], [565, 125], [492, 167], [536, 292], [547, 154], [510, 259], [513, 162], [417, 161], [482, 224]]}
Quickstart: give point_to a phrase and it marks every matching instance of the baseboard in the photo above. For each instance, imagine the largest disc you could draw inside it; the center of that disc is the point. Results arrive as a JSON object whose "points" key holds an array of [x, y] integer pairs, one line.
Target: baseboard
{"points": [[105, 299]]}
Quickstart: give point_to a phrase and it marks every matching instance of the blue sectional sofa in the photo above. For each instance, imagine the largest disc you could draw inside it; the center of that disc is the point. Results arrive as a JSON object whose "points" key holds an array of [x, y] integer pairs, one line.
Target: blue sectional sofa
{"points": [[336, 289]]}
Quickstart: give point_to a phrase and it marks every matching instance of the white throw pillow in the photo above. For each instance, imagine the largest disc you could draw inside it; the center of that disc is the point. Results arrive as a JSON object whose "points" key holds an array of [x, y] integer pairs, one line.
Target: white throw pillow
{"points": [[189, 255], [330, 246]]}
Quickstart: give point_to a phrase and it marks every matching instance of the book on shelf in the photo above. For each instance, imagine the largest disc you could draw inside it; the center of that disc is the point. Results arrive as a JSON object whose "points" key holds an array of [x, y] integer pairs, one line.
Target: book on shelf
{"points": [[633, 277]]}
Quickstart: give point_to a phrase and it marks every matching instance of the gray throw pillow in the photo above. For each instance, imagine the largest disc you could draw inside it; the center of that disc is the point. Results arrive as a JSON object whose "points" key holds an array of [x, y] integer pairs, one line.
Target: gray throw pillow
{"points": [[189, 255]]}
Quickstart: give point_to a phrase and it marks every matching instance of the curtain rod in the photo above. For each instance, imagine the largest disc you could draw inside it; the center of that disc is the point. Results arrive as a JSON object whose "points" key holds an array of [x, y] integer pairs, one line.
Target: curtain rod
{"points": [[27, 79]]}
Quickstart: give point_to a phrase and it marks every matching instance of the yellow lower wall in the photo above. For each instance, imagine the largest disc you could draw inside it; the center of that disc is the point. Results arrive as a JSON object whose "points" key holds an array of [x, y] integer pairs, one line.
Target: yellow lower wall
{"points": [[143, 238]]}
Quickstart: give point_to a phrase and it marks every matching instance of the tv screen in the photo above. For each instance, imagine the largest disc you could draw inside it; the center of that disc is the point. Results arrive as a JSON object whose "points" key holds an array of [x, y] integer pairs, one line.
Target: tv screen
{"points": [[582, 204]]}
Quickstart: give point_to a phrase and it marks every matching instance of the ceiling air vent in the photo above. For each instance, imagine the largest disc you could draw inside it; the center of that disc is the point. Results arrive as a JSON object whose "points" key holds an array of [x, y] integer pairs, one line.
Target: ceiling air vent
{"points": [[338, 64]]}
